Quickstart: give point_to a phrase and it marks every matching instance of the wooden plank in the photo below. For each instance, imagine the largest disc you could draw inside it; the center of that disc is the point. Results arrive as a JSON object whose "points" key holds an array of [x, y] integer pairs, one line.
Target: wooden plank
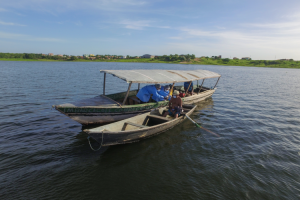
{"points": [[158, 117], [137, 125], [127, 93], [111, 100]]}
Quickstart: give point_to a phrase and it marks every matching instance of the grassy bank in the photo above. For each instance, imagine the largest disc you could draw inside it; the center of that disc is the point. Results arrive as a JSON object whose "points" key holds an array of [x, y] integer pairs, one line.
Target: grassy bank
{"points": [[22, 59], [197, 61]]}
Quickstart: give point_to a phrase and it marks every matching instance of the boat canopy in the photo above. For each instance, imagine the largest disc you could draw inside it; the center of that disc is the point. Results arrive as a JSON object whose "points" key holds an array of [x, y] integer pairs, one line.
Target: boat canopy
{"points": [[161, 76]]}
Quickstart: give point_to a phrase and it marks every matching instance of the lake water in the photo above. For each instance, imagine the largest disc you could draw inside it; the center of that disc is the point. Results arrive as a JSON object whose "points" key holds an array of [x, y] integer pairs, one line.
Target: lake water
{"points": [[45, 155]]}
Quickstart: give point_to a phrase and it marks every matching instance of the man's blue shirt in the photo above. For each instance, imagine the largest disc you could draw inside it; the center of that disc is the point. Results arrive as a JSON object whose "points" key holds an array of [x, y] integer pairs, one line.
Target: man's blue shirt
{"points": [[186, 85], [145, 93]]}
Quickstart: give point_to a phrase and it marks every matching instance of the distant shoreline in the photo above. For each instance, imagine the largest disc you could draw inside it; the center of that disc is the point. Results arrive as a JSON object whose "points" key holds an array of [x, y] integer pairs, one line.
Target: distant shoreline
{"points": [[197, 61]]}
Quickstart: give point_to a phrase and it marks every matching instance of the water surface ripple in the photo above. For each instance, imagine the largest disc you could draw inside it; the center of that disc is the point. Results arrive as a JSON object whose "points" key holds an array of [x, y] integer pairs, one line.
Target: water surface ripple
{"points": [[45, 155]]}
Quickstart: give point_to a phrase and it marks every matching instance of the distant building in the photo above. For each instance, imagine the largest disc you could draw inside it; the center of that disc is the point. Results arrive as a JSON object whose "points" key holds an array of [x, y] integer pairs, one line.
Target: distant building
{"points": [[92, 55], [235, 58], [147, 56], [246, 58], [50, 54], [123, 57], [59, 55], [219, 56], [85, 55]]}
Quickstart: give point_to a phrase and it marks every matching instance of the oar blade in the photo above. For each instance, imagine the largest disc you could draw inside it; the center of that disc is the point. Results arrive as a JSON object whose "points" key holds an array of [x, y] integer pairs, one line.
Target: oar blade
{"points": [[202, 127], [210, 132]]}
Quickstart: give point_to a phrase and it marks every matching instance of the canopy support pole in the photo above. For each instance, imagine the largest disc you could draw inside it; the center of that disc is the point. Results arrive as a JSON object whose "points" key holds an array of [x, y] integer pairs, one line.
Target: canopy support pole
{"points": [[197, 83], [188, 87], [217, 82], [172, 89], [127, 93], [104, 84], [201, 85], [139, 87]]}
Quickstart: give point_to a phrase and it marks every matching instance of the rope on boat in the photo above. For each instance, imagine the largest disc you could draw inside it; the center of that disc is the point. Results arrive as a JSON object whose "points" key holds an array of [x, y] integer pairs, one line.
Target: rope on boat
{"points": [[91, 145]]}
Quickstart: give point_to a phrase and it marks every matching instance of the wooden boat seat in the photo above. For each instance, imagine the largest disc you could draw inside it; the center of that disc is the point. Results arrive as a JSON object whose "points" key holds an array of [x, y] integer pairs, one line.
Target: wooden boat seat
{"points": [[158, 117], [133, 124], [135, 99]]}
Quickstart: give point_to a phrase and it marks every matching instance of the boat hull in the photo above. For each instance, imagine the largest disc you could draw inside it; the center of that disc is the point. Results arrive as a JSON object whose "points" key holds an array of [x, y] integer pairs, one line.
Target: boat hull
{"points": [[198, 97], [100, 118], [107, 138]]}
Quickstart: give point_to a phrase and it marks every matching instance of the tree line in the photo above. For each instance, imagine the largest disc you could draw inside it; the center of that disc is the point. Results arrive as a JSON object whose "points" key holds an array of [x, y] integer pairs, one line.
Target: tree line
{"points": [[29, 56], [170, 57], [176, 57]]}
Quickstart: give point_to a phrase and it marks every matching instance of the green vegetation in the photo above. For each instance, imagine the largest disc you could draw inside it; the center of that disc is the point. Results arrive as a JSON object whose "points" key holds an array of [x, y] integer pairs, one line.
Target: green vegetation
{"points": [[255, 63], [176, 59]]}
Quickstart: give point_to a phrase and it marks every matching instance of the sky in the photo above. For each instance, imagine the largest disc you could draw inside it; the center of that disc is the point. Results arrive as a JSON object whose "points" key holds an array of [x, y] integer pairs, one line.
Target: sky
{"points": [[260, 29]]}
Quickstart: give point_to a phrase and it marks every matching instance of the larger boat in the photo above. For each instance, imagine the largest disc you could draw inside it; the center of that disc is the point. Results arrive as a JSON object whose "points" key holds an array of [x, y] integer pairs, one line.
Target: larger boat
{"points": [[105, 109]]}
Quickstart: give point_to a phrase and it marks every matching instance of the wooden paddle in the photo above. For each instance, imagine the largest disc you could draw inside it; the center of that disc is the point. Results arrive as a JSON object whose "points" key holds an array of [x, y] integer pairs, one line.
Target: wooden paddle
{"points": [[202, 127]]}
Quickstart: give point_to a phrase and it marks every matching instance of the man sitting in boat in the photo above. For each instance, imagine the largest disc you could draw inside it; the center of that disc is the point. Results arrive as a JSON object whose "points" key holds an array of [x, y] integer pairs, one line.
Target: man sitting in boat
{"points": [[145, 93], [175, 105], [191, 88], [165, 91]]}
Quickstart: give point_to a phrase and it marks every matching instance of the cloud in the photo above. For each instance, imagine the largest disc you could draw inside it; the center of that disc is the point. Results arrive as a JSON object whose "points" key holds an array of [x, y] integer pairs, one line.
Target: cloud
{"points": [[15, 36], [260, 40], [5, 10], [78, 23], [247, 37], [10, 24], [58, 6], [136, 25], [140, 24], [176, 38], [279, 25]]}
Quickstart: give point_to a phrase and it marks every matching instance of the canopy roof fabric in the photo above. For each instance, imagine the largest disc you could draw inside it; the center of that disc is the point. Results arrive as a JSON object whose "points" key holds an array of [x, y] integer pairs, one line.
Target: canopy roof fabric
{"points": [[161, 76]]}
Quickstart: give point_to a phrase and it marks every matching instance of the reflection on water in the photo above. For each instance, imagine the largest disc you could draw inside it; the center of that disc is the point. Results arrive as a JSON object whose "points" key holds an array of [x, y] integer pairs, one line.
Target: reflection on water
{"points": [[45, 155]]}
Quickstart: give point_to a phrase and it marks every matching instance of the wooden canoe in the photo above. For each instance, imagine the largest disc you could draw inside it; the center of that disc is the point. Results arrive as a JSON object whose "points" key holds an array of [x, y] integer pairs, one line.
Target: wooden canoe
{"points": [[137, 128]]}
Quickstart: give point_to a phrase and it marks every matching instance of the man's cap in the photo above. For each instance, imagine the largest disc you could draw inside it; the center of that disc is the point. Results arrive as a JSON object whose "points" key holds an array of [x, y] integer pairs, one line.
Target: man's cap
{"points": [[176, 92]]}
